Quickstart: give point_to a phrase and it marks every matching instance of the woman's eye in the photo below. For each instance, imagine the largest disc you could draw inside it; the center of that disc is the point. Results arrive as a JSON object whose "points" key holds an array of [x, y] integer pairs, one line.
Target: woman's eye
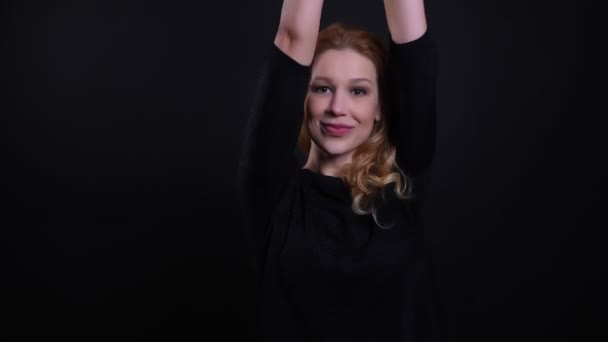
{"points": [[359, 91], [320, 89]]}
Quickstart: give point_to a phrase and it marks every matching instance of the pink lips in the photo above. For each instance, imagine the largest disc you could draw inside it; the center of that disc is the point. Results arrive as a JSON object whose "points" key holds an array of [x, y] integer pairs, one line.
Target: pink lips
{"points": [[336, 129]]}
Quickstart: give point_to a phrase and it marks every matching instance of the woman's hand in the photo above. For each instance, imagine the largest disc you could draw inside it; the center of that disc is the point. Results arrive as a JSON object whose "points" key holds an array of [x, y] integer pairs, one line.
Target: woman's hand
{"points": [[406, 19], [299, 28]]}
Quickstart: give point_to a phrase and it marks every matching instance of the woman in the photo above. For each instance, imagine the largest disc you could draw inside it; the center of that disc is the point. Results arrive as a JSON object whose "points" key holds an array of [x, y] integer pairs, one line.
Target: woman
{"points": [[340, 254]]}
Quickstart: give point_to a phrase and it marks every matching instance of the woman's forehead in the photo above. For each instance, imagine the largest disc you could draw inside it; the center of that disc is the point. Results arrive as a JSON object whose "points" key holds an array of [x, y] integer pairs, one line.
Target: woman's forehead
{"points": [[343, 65]]}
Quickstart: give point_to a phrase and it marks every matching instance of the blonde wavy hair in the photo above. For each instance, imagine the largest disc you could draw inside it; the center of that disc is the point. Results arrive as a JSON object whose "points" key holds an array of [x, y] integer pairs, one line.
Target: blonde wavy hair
{"points": [[374, 163]]}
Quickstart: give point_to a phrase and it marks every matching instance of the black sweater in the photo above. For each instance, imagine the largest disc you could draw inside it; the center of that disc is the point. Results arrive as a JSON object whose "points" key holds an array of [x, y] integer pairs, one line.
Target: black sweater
{"points": [[327, 273]]}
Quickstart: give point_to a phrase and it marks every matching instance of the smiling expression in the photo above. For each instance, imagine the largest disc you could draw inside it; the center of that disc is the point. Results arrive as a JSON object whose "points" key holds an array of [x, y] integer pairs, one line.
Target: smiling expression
{"points": [[342, 102]]}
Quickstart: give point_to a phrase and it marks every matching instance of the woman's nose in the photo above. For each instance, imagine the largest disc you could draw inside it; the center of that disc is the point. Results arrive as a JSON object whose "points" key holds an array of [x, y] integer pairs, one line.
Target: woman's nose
{"points": [[337, 106]]}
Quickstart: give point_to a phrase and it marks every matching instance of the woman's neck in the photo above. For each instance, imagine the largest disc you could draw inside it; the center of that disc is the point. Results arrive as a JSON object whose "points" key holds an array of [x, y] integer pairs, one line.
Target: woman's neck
{"points": [[326, 164]]}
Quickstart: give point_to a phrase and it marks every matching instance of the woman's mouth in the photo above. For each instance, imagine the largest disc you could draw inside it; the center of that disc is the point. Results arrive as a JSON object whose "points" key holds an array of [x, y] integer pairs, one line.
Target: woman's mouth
{"points": [[336, 130]]}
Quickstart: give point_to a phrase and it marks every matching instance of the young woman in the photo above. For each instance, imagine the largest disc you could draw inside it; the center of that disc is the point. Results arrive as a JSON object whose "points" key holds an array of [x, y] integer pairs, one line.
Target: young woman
{"points": [[340, 252]]}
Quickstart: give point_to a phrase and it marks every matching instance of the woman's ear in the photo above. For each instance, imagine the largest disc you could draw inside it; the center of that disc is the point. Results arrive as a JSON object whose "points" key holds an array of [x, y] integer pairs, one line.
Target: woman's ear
{"points": [[378, 113]]}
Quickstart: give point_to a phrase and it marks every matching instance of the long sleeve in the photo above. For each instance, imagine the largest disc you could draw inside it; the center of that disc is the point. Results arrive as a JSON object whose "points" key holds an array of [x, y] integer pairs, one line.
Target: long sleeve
{"points": [[412, 130], [267, 155], [412, 79]]}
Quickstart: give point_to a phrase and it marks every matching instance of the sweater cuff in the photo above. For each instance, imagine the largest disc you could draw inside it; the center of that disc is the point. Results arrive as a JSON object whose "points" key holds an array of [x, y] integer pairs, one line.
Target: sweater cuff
{"points": [[281, 59], [424, 42]]}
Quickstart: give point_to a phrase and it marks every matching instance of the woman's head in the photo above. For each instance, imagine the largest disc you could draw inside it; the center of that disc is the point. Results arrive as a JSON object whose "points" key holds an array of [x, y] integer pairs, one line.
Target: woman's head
{"points": [[347, 88]]}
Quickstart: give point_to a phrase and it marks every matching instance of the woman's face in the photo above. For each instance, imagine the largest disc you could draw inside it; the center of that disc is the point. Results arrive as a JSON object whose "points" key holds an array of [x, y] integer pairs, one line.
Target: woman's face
{"points": [[343, 101]]}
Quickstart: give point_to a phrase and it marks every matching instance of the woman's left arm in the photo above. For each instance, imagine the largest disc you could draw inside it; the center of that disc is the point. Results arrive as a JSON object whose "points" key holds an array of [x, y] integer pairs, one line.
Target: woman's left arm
{"points": [[412, 77], [406, 19]]}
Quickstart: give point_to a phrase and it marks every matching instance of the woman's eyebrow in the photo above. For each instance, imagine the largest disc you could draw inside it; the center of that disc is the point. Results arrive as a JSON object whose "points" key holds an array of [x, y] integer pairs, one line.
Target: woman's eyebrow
{"points": [[352, 80], [361, 79]]}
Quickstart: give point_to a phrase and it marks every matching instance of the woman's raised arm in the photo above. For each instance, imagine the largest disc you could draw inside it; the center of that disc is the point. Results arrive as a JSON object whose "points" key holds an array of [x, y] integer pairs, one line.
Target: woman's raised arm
{"points": [[406, 19], [267, 158], [299, 28], [413, 67]]}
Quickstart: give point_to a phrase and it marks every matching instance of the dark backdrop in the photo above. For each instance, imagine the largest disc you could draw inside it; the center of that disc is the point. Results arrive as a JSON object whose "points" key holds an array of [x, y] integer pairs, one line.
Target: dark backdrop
{"points": [[121, 125]]}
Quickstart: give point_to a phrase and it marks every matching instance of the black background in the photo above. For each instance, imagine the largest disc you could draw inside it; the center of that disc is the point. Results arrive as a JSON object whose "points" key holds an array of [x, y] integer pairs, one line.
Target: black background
{"points": [[121, 125]]}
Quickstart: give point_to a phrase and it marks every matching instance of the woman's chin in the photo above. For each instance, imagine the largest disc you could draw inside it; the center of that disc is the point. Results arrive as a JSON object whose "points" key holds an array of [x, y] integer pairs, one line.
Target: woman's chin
{"points": [[334, 151]]}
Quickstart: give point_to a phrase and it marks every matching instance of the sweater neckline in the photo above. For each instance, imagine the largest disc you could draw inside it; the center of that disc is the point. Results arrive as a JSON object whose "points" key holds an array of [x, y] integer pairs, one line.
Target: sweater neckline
{"points": [[327, 186]]}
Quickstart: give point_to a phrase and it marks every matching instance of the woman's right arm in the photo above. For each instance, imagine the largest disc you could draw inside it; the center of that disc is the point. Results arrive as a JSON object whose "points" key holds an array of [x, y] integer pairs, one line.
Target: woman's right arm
{"points": [[299, 28], [267, 157]]}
